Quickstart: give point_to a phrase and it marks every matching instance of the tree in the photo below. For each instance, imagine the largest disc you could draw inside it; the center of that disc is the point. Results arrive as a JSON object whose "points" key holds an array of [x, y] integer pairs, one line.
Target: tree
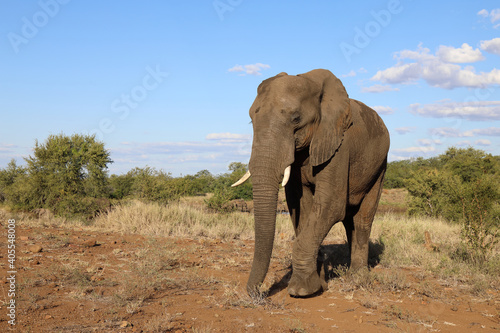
{"points": [[469, 163], [463, 186], [68, 174], [153, 185], [12, 184]]}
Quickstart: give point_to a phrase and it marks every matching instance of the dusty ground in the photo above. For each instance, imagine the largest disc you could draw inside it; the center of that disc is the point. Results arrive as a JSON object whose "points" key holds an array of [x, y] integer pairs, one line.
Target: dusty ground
{"points": [[97, 282], [87, 281]]}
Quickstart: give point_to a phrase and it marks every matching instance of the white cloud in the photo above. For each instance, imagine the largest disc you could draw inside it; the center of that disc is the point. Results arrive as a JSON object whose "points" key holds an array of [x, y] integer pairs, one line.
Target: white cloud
{"points": [[447, 132], [218, 144], [383, 109], [483, 142], [436, 70], [490, 131], [7, 148], [350, 74], [479, 110], [401, 73], [404, 130], [420, 149], [251, 69], [494, 15], [228, 137], [483, 13], [491, 46], [411, 152], [353, 73], [429, 142], [186, 157], [463, 143], [456, 133], [461, 55], [378, 88]]}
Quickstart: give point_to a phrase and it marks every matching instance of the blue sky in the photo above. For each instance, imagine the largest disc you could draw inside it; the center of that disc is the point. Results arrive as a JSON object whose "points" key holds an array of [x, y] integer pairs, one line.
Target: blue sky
{"points": [[169, 83]]}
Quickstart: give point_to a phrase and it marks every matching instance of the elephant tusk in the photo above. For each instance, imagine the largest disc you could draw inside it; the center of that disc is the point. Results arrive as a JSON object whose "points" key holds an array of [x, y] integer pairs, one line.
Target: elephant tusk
{"points": [[242, 179], [286, 175]]}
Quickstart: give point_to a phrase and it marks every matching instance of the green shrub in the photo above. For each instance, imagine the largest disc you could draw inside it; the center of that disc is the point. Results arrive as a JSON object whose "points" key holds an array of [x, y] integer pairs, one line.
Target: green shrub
{"points": [[66, 174], [465, 189], [220, 202], [153, 185], [479, 216], [121, 186]]}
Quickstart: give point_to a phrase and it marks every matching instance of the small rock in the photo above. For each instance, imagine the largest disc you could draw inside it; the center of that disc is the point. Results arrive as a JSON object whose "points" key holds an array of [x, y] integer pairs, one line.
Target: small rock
{"points": [[454, 309], [35, 248], [117, 251], [125, 324], [52, 285], [89, 243], [95, 278], [48, 316], [24, 238]]}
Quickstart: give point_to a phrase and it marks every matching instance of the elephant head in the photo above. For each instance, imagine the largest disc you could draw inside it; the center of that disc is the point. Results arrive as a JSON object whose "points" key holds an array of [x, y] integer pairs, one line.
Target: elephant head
{"points": [[290, 114]]}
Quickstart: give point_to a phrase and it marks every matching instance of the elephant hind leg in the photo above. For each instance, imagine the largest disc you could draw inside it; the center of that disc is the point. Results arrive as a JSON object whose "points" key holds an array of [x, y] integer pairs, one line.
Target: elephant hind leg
{"points": [[359, 227]]}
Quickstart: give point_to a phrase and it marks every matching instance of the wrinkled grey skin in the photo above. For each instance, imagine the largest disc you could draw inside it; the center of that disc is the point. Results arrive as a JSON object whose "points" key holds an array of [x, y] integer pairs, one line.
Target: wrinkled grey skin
{"points": [[337, 148]]}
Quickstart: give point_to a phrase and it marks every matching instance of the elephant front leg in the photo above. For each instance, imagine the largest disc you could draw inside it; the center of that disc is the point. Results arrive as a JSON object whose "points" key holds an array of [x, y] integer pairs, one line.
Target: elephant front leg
{"points": [[305, 279]]}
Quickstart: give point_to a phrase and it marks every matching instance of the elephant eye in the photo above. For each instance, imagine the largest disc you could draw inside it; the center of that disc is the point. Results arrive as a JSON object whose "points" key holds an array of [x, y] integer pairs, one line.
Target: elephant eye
{"points": [[295, 117]]}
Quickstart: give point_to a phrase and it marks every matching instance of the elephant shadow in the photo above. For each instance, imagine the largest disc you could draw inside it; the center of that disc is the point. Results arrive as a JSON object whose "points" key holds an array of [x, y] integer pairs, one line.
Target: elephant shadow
{"points": [[331, 258]]}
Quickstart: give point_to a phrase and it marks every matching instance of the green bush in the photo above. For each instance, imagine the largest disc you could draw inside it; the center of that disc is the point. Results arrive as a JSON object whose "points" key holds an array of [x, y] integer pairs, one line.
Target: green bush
{"points": [[153, 185], [66, 174], [464, 189], [121, 186], [220, 202], [15, 188], [480, 218]]}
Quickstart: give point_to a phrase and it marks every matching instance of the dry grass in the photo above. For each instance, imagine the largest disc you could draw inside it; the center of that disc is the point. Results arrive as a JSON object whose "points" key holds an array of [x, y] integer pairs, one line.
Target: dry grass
{"points": [[399, 239], [183, 220]]}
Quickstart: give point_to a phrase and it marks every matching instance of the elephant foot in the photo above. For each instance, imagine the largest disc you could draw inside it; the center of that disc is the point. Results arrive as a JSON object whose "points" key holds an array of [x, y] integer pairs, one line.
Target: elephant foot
{"points": [[303, 287], [358, 264]]}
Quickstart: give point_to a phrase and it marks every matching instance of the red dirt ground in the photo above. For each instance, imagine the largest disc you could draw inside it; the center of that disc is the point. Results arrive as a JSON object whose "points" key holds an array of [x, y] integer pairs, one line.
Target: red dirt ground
{"points": [[87, 281]]}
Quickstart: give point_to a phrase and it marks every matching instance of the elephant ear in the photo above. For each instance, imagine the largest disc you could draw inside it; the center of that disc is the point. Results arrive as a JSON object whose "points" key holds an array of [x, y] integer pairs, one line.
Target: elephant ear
{"points": [[335, 116]]}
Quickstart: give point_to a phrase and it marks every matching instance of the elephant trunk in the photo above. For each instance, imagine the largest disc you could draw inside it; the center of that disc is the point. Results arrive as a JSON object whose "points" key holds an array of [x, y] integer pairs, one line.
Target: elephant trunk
{"points": [[265, 196], [268, 166]]}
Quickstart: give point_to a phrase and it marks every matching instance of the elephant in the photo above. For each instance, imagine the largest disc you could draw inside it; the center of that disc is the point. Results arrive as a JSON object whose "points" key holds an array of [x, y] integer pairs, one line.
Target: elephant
{"points": [[330, 154]]}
